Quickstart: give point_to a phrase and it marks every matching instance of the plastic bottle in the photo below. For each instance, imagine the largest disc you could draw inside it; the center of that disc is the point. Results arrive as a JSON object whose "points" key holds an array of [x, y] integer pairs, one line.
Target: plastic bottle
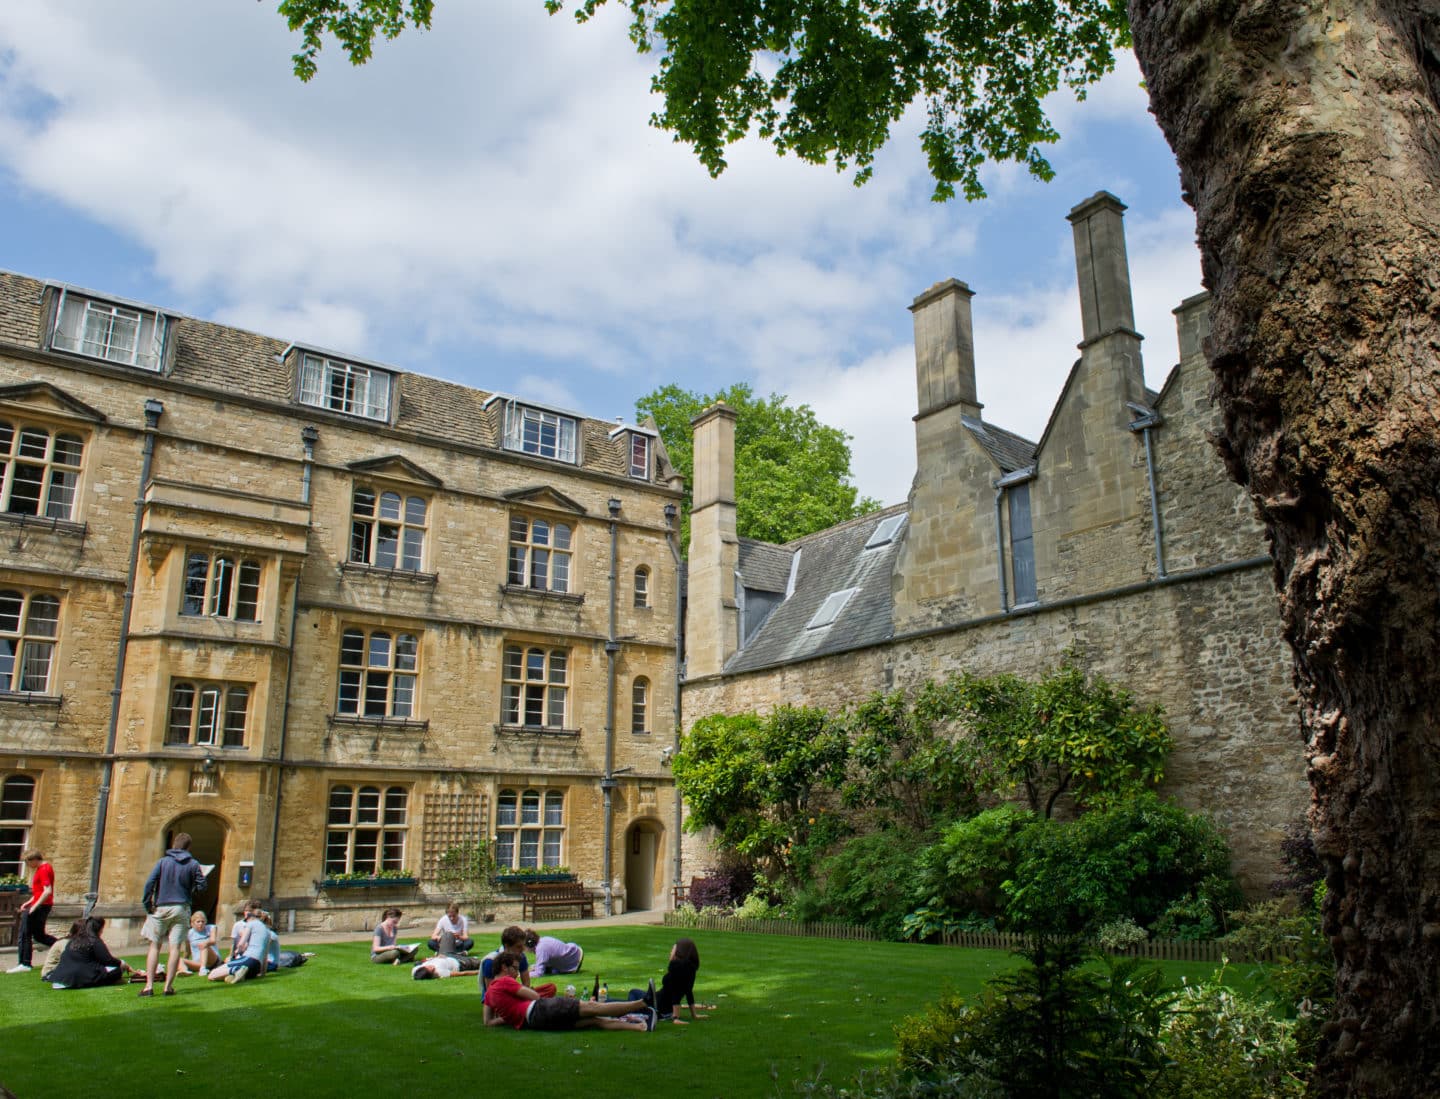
{"points": [[604, 993], [570, 991]]}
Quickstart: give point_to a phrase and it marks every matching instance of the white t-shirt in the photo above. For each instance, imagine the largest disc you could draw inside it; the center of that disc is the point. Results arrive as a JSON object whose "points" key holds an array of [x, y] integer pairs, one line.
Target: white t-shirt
{"points": [[456, 927], [443, 965]]}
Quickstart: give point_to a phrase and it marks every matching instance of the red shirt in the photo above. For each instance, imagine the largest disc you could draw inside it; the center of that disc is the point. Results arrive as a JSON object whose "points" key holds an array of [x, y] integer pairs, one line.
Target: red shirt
{"points": [[44, 879], [503, 998]]}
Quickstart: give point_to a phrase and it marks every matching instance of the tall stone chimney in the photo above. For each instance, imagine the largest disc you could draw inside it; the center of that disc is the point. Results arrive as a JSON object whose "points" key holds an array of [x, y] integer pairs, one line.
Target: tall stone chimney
{"points": [[1102, 270], [945, 349], [712, 624]]}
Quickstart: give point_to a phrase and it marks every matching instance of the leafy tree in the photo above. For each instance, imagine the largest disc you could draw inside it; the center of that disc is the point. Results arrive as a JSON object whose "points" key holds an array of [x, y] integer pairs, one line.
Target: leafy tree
{"points": [[1068, 732], [792, 473], [907, 765], [755, 780], [1308, 140]]}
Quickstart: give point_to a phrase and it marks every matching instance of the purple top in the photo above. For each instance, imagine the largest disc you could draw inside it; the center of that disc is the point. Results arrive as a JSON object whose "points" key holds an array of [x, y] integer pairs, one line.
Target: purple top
{"points": [[553, 956]]}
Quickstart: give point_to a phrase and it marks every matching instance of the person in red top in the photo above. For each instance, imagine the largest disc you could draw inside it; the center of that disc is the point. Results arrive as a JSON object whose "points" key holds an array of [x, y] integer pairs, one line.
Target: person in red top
{"points": [[34, 912], [509, 1003]]}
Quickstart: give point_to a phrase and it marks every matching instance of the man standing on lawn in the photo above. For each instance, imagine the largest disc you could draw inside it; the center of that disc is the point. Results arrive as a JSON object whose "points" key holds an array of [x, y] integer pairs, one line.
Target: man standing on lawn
{"points": [[509, 1003], [35, 911], [175, 879]]}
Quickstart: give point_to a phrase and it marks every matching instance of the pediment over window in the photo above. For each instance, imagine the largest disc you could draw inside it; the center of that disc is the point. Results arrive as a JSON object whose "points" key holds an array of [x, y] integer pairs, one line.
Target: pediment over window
{"points": [[546, 497], [395, 467], [46, 399]]}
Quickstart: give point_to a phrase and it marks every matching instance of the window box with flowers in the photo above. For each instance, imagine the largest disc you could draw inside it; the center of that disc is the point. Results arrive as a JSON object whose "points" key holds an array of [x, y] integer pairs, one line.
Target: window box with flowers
{"points": [[383, 879], [513, 880], [13, 883]]}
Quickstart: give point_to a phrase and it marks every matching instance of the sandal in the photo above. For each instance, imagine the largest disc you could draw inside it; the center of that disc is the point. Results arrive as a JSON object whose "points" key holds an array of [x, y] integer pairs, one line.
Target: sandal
{"points": [[147, 992], [169, 992]]}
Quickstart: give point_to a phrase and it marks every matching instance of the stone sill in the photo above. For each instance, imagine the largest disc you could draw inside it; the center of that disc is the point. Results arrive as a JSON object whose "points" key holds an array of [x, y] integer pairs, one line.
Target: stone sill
{"points": [[30, 698], [531, 731]]}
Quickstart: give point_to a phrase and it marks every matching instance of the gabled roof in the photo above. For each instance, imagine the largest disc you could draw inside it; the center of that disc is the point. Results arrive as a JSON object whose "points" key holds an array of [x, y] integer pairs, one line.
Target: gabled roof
{"points": [[545, 496], [829, 561]]}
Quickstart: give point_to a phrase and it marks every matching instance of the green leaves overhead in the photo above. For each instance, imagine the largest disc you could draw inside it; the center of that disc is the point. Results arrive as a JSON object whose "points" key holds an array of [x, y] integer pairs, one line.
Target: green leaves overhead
{"points": [[827, 79]]}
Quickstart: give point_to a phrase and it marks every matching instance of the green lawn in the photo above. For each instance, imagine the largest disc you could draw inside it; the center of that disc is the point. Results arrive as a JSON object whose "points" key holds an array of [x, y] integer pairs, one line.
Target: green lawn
{"points": [[788, 1008]]}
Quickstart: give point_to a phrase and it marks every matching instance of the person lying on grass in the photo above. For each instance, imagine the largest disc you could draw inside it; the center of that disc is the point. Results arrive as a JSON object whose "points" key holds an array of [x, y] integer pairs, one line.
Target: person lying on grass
{"points": [[509, 1003], [552, 955]]}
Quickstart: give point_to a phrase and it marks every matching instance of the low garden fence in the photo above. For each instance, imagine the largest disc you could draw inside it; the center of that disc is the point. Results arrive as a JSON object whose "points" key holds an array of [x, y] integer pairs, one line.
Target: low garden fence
{"points": [[1154, 949]]}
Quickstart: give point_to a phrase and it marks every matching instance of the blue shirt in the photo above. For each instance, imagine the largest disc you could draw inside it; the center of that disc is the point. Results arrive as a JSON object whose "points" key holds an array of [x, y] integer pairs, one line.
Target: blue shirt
{"points": [[262, 942]]}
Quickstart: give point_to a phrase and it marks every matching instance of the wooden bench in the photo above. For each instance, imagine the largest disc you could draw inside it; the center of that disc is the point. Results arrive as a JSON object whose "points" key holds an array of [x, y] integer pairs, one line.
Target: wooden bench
{"points": [[543, 896]]}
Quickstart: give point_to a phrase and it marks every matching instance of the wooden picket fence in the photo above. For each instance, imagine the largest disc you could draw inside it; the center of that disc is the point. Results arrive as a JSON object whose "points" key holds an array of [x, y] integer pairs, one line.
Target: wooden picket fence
{"points": [[1155, 949]]}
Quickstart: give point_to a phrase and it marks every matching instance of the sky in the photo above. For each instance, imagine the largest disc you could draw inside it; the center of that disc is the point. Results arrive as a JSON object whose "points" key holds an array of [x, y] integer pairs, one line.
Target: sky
{"points": [[487, 202]]}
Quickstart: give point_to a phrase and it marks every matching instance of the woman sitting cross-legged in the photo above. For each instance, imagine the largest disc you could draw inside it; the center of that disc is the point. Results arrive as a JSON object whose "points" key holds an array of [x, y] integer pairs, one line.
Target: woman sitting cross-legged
{"points": [[384, 950], [87, 961]]}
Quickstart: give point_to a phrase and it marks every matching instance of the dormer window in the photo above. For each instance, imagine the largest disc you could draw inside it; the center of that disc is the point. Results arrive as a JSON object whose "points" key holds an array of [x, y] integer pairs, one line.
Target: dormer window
{"points": [[344, 387], [116, 333], [639, 456], [534, 431]]}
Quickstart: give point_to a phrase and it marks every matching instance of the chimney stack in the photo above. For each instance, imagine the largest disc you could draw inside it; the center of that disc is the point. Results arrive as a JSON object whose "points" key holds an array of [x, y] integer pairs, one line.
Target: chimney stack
{"points": [[712, 626], [945, 349], [1102, 270]]}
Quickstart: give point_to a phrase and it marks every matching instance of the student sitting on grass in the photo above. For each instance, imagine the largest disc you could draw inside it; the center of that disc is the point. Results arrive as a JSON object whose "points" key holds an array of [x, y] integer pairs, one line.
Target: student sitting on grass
{"points": [[457, 927], [509, 1003], [383, 948], [203, 954], [87, 961], [512, 939], [553, 955], [258, 947], [677, 984]]}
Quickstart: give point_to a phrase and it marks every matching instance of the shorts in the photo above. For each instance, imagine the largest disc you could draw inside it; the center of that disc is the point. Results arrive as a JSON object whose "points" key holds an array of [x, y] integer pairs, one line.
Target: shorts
{"points": [[168, 923], [558, 1013]]}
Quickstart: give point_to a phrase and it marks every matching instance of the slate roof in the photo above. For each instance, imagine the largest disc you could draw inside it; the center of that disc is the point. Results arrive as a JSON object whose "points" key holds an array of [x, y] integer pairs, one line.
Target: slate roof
{"points": [[765, 566], [1006, 449], [829, 561], [233, 361]]}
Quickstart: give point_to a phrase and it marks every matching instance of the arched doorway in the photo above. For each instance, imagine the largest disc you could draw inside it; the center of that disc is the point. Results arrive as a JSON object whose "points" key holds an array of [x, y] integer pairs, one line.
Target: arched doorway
{"points": [[207, 844], [642, 854]]}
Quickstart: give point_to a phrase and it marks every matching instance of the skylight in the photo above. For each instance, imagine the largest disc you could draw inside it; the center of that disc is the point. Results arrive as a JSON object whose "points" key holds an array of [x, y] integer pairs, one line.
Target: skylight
{"points": [[885, 533], [831, 608]]}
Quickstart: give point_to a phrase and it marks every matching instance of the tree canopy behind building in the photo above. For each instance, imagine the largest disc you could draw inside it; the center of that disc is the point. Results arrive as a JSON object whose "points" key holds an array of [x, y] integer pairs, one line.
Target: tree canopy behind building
{"points": [[792, 473]]}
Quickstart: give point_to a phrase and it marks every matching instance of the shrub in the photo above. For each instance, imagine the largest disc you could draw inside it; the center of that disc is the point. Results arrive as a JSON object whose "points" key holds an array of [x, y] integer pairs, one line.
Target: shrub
{"points": [[1134, 859], [869, 882], [1117, 936], [726, 886], [1050, 1029], [961, 874], [1221, 1042], [1300, 867], [1301, 982]]}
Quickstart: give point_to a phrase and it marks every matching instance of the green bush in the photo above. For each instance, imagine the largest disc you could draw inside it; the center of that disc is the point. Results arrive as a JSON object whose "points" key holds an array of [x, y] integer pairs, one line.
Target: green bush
{"points": [[869, 881], [1223, 1043], [1301, 982], [1052, 1029], [1136, 859], [962, 873]]}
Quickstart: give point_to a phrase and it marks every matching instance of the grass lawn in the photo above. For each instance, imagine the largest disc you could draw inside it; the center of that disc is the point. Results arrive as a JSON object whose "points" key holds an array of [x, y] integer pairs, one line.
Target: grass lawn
{"points": [[789, 1008]]}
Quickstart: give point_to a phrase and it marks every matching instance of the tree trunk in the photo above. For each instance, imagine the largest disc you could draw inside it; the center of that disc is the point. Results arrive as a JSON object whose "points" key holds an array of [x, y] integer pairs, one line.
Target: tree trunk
{"points": [[1309, 144]]}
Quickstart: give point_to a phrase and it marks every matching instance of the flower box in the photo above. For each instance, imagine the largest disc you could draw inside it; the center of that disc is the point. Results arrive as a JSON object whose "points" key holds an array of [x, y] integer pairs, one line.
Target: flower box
{"points": [[368, 883], [15, 887], [515, 881]]}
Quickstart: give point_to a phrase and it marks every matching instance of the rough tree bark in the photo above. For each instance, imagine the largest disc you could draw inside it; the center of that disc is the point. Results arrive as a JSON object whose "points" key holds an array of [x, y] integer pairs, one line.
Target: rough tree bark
{"points": [[1308, 139]]}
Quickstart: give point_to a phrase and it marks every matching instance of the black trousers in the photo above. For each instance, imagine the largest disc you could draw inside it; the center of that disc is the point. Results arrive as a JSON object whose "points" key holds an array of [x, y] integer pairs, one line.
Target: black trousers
{"points": [[31, 931]]}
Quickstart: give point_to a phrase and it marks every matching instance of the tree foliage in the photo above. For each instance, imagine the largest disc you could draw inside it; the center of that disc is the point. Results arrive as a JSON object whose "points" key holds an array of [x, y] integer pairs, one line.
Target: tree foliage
{"points": [[826, 80], [1065, 733], [792, 473]]}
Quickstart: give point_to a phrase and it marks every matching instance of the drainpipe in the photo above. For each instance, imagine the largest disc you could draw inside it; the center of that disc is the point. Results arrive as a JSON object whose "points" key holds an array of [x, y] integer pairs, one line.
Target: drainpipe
{"points": [[671, 512], [309, 435], [612, 647], [1148, 421], [153, 409]]}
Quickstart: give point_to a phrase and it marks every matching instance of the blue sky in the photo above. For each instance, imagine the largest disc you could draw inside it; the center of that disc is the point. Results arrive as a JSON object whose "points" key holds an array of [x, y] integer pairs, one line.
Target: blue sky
{"points": [[487, 203]]}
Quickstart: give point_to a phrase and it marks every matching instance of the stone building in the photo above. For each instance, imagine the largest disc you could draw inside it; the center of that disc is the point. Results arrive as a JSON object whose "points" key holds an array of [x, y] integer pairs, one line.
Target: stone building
{"points": [[329, 617], [1117, 532]]}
